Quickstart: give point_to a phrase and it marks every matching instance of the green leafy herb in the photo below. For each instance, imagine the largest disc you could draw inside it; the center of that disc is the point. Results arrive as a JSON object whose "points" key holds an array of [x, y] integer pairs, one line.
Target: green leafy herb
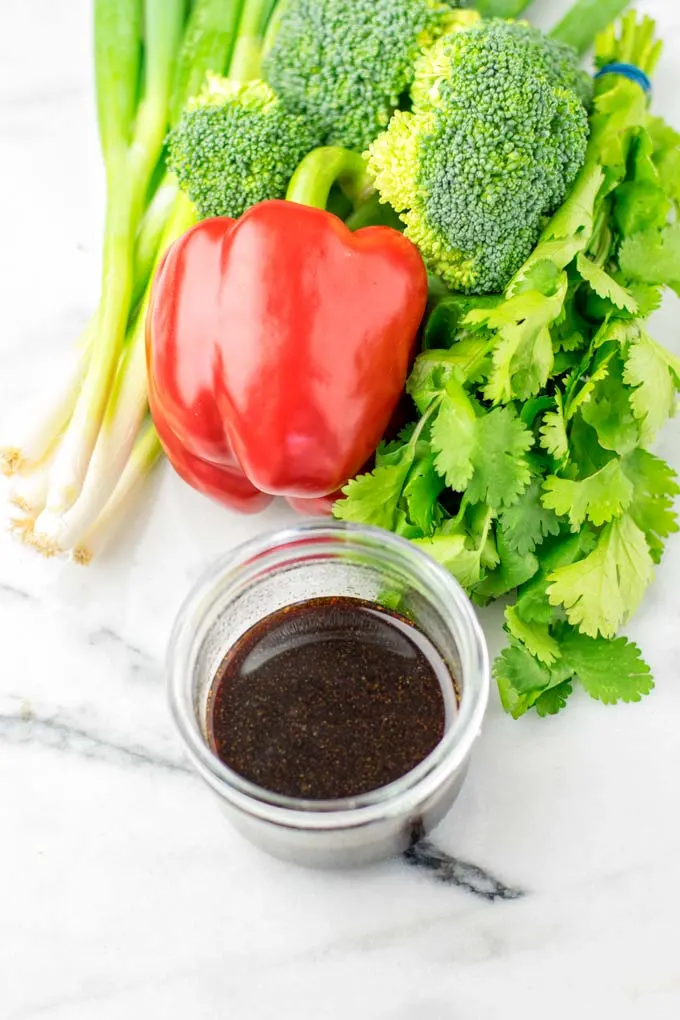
{"points": [[528, 472]]}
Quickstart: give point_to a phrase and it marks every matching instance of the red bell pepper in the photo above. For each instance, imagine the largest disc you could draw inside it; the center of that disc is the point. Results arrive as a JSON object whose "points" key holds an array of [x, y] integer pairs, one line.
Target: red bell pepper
{"points": [[278, 345]]}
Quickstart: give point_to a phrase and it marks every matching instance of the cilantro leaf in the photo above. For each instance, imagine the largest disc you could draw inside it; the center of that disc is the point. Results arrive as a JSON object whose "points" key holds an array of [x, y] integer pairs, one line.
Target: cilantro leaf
{"points": [[598, 498], [576, 216], [454, 437], [535, 637], [666, 155], [452, 552], [640, 206], [513, 570], [610, 671], [648, 297], [585, 449], [642, 202], [554, 699], [570, 331], [656, 487], [543, 277], [523, 353], [522, 679], [529, 522], [602, 590], [655, 374], [483, 456], [609, 411], [444, 328], [373, 498], [467, 360], [422, 491], [604, 286], [535, 407], [502, 470], [584, 380], [532, 599], [554, 432], [653, 256]]}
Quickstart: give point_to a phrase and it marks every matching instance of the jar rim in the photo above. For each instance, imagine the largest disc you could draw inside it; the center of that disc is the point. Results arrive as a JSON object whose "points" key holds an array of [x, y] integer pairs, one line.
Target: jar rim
{"points": [[399, 797]]}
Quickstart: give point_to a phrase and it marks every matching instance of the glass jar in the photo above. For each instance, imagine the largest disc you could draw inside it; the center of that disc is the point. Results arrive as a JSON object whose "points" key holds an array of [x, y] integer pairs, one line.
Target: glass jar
{"points": [[313, 561]]}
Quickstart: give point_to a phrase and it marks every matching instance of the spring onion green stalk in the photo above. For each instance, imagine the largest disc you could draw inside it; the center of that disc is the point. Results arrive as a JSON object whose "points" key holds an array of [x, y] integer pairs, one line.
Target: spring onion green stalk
{"points": [[129, 169], [150, 235], [278, 9], [145, 455], [117, 53], [207, 46], [585, 20], [125, 412], [246, 60], [498, 8]]}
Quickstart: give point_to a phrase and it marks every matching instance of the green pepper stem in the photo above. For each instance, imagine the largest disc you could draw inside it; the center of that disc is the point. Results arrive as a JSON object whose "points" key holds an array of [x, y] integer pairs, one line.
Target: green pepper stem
{"points": [[321, 169]]}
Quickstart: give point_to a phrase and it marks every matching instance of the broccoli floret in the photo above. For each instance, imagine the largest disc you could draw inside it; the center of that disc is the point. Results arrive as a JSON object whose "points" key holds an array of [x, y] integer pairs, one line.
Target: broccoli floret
{"points": [[236, 145], [497, 135], [347, 64]]}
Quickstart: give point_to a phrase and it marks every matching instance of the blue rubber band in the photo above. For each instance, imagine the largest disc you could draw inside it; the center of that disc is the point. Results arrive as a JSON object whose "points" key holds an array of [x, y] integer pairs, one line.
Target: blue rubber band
{"points": [[628, 71]]}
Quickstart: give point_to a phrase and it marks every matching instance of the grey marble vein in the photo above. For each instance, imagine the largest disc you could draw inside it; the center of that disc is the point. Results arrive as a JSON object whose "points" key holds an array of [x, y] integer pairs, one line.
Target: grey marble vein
{"points": [[141, 661], [453, 871], [24, 727], [11, 592]]}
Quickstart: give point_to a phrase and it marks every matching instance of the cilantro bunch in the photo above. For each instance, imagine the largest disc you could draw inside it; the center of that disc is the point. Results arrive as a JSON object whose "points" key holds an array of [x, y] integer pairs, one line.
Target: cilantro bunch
{"points": [[528, 470]]}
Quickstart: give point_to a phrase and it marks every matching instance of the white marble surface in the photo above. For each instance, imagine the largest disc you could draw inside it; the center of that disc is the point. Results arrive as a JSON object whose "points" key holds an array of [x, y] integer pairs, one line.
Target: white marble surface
{"points": [[123, 893]]}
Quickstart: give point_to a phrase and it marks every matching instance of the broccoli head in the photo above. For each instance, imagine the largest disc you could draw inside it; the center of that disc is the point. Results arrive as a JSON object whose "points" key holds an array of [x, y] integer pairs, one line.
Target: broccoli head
{"points": [[497, 134], [235, 145], [347, 64]]}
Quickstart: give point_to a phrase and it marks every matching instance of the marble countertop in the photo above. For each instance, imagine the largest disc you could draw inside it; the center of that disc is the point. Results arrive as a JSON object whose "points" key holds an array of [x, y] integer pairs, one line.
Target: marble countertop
{"points": [[123, 892]]}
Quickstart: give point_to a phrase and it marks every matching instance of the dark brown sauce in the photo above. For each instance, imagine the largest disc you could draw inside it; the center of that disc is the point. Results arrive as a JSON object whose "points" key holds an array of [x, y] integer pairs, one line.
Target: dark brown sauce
{"points": [[328, 698]]}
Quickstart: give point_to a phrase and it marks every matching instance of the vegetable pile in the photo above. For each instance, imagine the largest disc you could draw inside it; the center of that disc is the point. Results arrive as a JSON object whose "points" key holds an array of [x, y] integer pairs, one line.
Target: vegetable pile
{"points": [[278, 343]]}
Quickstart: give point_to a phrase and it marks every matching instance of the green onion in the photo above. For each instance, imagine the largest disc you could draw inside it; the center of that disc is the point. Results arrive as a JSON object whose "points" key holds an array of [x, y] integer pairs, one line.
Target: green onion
{"points": [[129, 171], [585, 20]]}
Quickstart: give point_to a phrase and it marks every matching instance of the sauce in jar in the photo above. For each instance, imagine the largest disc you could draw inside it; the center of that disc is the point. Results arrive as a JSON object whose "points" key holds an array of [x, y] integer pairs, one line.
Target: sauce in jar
{"points": [[329, 698]]}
